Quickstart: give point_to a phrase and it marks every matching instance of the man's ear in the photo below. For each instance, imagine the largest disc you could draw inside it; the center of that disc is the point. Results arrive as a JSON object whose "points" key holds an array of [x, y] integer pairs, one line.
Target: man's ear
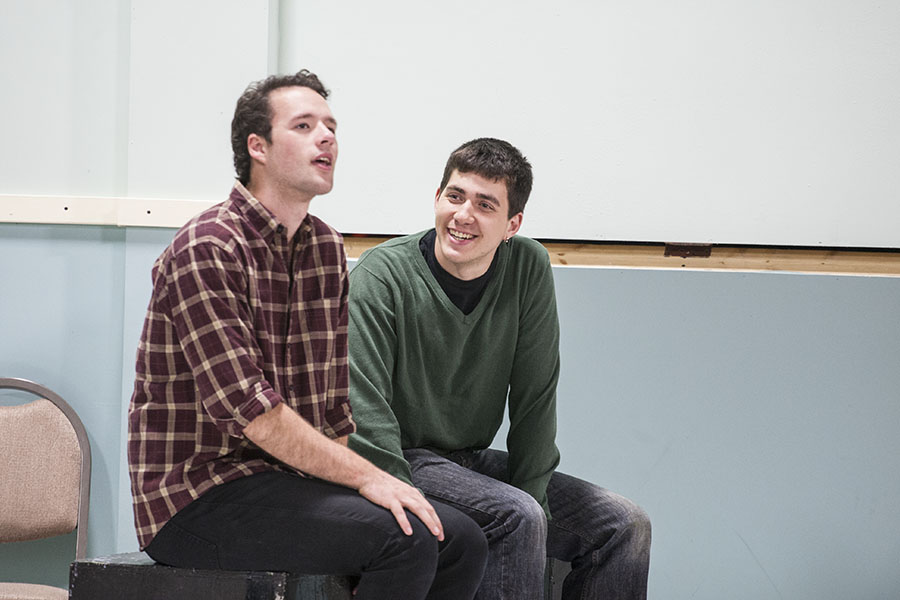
{"points": [[512, 228], [257, 147], [437, 196]]}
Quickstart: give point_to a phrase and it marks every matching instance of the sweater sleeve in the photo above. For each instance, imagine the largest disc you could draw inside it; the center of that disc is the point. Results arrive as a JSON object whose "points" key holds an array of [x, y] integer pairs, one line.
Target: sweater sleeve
{"points": [[373, 343], [531, 442]]}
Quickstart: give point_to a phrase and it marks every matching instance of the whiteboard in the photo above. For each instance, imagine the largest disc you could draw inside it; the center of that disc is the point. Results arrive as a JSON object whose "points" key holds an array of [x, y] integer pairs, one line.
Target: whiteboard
{"points": [[774, 123]]}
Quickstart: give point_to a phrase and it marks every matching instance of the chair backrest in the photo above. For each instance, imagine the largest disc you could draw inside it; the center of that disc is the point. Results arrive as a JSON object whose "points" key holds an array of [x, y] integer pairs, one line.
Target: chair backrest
{"points": [[45, 468]]}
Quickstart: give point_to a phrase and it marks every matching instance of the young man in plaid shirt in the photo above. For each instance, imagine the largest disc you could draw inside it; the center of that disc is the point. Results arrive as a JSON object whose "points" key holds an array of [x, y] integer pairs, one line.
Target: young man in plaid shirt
{"points": [[239, 420]]}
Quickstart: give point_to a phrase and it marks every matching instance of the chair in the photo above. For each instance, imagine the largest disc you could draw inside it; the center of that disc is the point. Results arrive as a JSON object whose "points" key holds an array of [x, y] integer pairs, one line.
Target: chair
{"points": [[45, 477]]}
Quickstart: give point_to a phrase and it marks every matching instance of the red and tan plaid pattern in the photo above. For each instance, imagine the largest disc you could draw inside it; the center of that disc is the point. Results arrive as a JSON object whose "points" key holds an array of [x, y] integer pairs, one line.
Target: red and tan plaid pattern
{"points": [[241, 318]]}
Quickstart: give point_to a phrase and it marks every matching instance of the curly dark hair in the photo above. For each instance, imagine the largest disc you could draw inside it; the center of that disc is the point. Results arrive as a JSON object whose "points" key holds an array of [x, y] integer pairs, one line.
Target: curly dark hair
{"points": [[252, 114], [494, 159]]}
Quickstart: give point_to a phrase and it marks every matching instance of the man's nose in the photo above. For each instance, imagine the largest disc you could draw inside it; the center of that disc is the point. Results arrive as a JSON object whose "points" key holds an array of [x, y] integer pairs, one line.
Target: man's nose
{"points": [[326, 135], [464, 212]]}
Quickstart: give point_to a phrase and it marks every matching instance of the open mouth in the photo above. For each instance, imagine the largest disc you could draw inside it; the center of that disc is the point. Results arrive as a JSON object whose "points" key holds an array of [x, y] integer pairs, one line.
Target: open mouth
{"points": [[325, 161], [459, 235]]}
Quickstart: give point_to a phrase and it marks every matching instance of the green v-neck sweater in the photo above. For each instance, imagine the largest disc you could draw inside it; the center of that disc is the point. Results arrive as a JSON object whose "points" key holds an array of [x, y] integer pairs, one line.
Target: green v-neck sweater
{"points": [[424, 375]]}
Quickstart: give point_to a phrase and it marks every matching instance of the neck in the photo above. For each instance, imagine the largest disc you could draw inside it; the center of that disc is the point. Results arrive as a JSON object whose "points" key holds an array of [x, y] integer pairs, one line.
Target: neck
{"points": [[466, 273], [289, 208]]}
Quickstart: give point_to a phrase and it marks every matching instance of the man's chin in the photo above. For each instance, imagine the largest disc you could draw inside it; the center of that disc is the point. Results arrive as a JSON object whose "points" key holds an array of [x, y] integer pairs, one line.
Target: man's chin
{"points": [[322, 188]]}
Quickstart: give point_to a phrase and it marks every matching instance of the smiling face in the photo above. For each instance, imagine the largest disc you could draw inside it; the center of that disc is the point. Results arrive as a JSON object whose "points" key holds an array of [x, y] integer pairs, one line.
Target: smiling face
{"points": [[299, 161], [470, 219]]}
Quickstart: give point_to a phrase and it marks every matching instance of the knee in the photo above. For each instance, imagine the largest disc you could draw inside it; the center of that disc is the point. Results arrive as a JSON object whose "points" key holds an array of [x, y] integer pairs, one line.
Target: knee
{"points": [[422, 543], [526, 516], [639, 520], [419, 550], [635, 524], [404, 563]]}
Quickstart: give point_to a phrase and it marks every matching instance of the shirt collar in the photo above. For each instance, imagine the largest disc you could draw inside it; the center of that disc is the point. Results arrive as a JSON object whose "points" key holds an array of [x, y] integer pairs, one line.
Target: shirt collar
{"points": [[260, 216]]}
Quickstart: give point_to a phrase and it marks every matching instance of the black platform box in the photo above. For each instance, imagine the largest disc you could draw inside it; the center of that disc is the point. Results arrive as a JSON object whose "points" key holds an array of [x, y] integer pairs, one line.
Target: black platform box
{"points": [[136, 576]]}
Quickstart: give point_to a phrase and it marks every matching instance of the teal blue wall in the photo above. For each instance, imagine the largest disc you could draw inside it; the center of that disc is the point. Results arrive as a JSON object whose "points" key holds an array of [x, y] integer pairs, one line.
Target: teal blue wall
{"points": [[754, 416], [61, 323]]}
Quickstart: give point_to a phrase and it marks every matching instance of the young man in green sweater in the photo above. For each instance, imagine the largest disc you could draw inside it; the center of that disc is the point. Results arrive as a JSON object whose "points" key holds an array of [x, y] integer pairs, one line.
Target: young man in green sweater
{"points": [[448, 328]]}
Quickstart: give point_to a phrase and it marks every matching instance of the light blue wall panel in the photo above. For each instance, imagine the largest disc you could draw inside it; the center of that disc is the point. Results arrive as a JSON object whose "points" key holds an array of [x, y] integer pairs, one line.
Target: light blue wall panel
{"points": [[61, 326], [754, 416], [142, 248]]}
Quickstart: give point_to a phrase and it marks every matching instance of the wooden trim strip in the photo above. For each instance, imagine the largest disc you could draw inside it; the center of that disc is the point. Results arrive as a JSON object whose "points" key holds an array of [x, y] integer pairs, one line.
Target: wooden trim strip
{"points": [[842, 261]]}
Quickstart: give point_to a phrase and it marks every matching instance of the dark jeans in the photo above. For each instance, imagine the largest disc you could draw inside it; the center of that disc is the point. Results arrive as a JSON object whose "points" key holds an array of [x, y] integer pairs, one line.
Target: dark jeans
{"points": [[605, 537], [279, 521]]}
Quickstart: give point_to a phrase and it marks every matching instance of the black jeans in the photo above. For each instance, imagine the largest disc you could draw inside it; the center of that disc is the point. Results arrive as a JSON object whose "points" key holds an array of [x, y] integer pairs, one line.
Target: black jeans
{"points": [[279, 521]]}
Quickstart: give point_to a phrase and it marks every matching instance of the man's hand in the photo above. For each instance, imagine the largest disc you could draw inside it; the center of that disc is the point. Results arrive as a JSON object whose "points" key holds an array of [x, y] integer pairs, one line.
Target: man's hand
{"points": [[391, 493], [288, 437]]}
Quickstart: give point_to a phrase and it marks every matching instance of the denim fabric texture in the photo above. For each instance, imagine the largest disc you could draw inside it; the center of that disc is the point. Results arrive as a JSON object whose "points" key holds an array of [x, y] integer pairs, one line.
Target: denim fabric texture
{"points": [[604, 536]]}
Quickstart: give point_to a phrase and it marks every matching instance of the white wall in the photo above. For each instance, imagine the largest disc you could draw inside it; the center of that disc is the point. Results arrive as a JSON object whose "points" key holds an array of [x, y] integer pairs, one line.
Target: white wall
{"points": [[64, 105], [189, 63], [733, 122]]}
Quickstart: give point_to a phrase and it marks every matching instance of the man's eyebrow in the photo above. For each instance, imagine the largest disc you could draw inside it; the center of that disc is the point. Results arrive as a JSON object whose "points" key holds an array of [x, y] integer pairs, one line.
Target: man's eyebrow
{"points": [[489, 198], [329, 120], [480, 196]]}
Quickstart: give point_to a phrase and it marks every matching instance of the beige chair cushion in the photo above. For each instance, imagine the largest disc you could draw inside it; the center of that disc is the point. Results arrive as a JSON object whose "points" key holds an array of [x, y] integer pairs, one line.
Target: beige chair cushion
{"points": [[28, 591], [40, 468]]}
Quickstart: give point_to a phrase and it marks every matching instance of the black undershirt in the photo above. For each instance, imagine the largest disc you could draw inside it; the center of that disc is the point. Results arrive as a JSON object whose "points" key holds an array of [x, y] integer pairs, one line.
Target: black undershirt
{"points": [[465, 295]]}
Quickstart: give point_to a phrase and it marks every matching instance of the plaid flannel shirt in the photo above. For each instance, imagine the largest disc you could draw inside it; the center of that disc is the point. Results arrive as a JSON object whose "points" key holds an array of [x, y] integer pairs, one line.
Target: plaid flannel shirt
{"points": [[241, 318]]}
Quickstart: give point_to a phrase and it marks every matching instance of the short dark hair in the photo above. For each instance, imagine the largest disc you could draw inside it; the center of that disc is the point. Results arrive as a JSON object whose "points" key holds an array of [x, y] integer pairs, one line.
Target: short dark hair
{"points": [[495, 160], [253, 114]]}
